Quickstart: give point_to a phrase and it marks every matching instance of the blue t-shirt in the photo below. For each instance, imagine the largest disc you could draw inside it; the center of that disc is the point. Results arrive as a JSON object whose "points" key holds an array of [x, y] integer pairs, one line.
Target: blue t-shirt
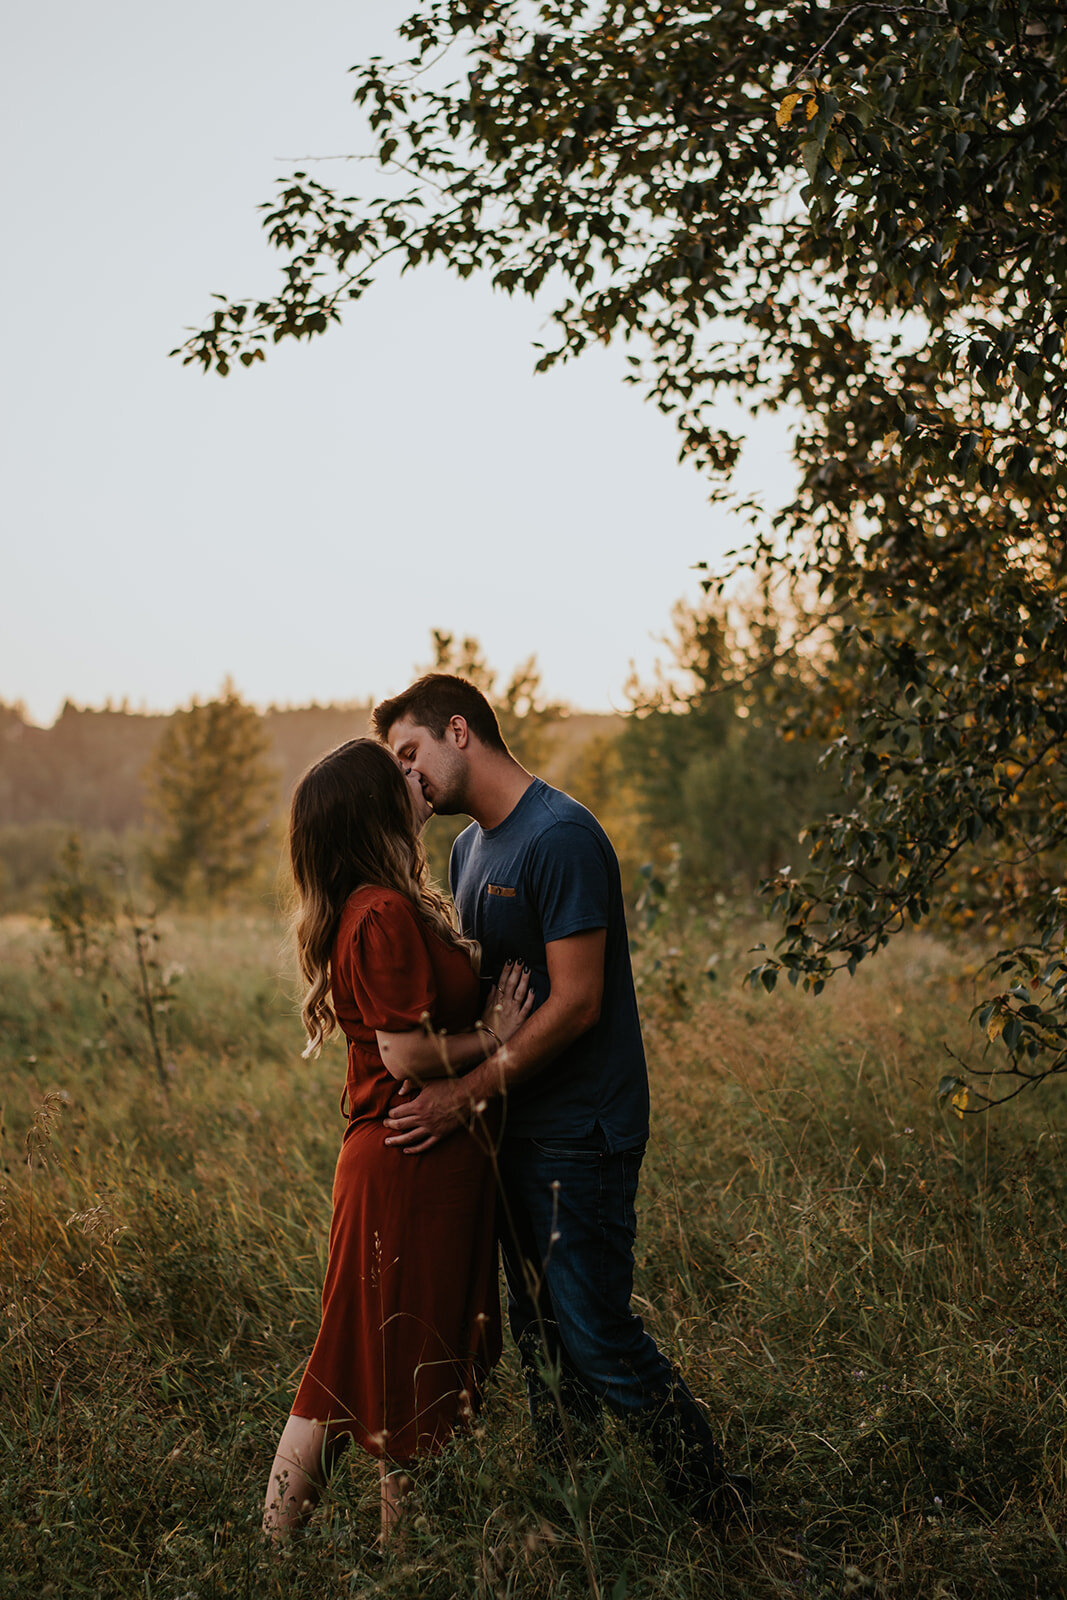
{"points": [[546, 872]]}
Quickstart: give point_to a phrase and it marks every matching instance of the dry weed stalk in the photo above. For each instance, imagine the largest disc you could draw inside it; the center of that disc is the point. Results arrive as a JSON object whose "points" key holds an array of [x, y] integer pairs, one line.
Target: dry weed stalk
{"points": [[98, 1222], [41, 1129]]}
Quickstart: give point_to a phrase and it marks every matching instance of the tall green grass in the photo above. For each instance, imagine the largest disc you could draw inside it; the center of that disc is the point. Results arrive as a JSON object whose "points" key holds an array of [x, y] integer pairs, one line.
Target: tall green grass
{"points": [[867, 1292]]}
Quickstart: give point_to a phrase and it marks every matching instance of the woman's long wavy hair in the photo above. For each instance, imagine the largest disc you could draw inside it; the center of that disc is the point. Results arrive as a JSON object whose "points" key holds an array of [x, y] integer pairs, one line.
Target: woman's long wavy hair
{"points": [[351, 824]]}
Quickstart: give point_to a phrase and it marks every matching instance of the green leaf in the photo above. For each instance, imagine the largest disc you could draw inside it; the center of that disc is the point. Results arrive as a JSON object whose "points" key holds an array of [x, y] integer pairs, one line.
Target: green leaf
{"points": [[810, 152]]}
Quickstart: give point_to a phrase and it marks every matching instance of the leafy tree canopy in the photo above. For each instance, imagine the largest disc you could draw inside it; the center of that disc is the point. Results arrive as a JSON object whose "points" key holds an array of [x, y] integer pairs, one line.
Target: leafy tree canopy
{"points": [[857, 209]]}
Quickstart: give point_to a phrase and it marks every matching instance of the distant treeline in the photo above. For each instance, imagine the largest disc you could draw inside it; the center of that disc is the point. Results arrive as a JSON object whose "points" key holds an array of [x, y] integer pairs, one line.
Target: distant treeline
{"points": [[88, 773], [713, 772], [87, 770]]}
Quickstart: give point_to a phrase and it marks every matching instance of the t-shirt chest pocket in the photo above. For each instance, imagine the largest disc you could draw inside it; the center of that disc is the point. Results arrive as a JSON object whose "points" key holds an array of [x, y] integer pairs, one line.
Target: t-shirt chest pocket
{"points": [[506, 923]]}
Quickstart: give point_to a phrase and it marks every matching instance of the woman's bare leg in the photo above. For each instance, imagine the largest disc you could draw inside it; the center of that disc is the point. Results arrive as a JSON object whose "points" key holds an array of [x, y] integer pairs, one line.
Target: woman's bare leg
{"points": [[301, 1466], [395, 1485]]}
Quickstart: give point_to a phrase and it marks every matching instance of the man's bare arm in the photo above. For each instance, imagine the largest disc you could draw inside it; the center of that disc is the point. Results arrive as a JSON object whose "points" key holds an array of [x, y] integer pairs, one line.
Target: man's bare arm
{"points": [[576, 978]]}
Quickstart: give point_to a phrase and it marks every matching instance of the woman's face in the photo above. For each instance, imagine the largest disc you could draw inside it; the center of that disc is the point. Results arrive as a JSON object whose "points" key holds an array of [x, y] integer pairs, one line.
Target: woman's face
{"points": [[422, 808]]}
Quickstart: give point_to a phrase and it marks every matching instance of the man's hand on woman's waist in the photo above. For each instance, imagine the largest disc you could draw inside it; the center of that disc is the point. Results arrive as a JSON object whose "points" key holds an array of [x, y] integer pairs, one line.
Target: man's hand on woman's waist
{"points": [[576, 976]]}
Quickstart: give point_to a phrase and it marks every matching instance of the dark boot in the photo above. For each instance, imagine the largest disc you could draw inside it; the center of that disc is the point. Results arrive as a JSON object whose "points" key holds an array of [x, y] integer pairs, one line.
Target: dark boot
{"points": [[686, 1451]]}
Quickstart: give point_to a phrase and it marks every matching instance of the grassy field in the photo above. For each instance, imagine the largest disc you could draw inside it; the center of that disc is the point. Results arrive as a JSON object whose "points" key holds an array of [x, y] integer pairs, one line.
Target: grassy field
{"points": [[864, 1289]]}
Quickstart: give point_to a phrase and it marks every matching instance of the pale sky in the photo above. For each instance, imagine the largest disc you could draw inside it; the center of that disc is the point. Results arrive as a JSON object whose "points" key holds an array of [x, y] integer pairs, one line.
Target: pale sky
{"points": [[301, 526]]}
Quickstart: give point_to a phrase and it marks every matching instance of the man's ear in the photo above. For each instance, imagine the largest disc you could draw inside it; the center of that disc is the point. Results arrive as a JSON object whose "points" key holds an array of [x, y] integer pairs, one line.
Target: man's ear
{"points": [[460, 731]]}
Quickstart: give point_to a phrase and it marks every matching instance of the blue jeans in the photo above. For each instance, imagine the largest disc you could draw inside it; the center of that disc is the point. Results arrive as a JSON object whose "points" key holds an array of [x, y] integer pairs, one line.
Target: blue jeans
{"points": [[568, 1236]]}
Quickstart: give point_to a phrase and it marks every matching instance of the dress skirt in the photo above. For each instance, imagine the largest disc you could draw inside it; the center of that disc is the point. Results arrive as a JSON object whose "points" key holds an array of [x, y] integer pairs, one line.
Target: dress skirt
{"points": [[410, 1311]]}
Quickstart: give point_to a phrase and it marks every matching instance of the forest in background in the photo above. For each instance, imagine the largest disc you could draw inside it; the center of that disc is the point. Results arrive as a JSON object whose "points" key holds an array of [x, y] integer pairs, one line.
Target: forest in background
{"points": [[699, 775], [87, 774], [87, 769]]}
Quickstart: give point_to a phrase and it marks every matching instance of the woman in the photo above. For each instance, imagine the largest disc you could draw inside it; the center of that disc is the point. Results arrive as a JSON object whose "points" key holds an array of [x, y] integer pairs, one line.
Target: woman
{"points": [[410, 1319]]}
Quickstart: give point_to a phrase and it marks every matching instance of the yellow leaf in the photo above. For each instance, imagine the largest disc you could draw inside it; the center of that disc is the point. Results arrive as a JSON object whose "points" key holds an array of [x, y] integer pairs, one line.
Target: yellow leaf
{"points": [[835, 155], [785, 110], [811, 108], [995, 1026], [959, 1100]]}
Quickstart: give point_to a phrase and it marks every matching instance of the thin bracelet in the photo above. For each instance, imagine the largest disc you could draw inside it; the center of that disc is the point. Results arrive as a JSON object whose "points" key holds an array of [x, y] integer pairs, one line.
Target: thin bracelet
{"points": [[484, 1027]]}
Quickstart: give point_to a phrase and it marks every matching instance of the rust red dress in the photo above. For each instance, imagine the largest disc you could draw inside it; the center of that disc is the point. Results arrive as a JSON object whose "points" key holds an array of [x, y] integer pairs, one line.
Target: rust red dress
{"points": [[410, 1310]]}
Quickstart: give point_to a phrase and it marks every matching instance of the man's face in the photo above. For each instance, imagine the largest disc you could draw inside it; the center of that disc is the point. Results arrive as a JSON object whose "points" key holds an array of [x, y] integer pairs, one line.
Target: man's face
{"points": [[423, 809], [439, 764]]}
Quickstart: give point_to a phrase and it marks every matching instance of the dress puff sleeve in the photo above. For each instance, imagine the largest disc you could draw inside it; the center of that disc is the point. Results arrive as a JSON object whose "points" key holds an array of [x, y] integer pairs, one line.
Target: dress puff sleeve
{"points": [[388, 965]]}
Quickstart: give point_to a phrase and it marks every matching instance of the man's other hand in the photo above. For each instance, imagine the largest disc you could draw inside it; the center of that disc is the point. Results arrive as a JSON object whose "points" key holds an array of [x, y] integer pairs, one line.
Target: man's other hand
{"points": [[417, 1122]]}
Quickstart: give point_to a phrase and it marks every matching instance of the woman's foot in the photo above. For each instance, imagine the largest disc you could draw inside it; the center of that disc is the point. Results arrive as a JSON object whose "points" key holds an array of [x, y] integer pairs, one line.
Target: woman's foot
{"points": [[395, 1485], [298, 1476]]}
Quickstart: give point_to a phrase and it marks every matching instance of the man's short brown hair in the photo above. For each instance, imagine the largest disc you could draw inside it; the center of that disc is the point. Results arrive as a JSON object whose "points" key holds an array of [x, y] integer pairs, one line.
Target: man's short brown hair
{"points": [[433, 701]]}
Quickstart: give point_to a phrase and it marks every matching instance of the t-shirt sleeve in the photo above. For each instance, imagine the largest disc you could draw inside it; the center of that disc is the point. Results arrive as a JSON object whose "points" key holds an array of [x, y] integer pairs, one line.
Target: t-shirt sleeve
{"points": [[388, 966], [570, 880]]}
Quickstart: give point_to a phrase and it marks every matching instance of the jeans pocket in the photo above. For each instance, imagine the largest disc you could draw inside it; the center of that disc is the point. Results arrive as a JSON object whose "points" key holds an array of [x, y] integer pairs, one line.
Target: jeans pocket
{"points": [[590, 1149]]}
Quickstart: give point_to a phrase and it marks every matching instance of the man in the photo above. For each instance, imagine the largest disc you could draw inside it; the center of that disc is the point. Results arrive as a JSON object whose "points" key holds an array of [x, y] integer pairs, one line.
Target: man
{"points": [[535, 879]]}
